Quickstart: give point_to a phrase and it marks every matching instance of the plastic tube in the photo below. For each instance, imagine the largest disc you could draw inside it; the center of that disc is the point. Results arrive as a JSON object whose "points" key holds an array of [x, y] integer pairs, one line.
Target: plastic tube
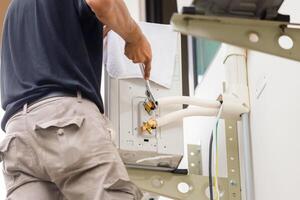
{"points": [[247, 163], [188, 101], [153, 158], [179, 115]]}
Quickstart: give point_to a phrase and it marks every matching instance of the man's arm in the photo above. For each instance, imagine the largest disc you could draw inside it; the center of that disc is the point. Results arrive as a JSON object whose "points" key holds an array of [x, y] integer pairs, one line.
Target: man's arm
{"points": [[115, 15]]}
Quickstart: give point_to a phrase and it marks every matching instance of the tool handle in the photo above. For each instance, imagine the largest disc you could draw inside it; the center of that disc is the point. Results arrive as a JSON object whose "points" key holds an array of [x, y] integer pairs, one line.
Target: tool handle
{"points": [[142, 68]]}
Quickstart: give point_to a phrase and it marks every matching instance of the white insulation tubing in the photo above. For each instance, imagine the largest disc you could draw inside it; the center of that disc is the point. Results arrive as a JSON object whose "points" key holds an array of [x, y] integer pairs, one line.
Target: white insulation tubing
{"points": [[231, 109], [188, 101], [179, 115], [153, 158]]}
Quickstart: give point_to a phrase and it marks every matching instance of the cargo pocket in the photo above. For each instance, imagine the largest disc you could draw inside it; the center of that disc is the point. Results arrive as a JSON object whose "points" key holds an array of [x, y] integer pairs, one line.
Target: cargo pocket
{"points": [[5, 144], [61, 141], [7, 156], [120, 189]]}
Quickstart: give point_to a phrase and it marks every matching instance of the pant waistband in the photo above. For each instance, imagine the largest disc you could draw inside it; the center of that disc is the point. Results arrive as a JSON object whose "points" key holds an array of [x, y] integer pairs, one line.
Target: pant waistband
{"points": [[52, 95], [26, 106]]}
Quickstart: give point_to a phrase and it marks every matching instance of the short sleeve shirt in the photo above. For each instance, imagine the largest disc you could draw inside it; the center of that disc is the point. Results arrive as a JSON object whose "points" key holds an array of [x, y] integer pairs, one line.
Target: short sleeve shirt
{"points": [[48, 46]]}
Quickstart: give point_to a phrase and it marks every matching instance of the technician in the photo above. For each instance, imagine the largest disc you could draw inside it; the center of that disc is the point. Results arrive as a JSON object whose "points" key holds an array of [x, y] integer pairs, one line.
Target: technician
{"points": [[56, 145]]}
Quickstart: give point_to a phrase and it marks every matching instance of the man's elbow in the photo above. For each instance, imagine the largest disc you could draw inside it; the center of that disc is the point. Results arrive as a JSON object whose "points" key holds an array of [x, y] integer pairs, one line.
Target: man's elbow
{"points": [[100, 7]]}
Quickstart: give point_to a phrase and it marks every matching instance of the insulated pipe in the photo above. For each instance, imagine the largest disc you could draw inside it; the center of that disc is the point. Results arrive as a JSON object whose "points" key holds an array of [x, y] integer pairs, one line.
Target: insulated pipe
{"points": [[179, 115], [229, 110], [153, 158], [185, 100], [236, 74], [232, 109], [247, 158]]}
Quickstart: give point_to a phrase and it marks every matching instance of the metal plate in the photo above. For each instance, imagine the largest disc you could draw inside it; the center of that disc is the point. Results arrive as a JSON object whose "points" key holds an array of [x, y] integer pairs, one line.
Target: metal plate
{"points": [[195, 159], [260, 35], [167, 183]]}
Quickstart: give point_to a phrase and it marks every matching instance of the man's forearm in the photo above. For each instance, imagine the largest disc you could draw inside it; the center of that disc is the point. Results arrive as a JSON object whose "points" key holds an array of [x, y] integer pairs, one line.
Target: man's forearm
{"points": [[115, 15]]}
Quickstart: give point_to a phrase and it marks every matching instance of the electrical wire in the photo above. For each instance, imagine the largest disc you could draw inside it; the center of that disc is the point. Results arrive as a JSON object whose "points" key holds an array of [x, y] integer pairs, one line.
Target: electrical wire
{"points": [[215, 185], [217, 163], [211, 190]]}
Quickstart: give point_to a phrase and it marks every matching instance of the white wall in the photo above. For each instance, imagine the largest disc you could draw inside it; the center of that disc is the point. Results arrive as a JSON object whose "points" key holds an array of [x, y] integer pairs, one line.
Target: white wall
{"points": [[275, 126], [275, 122]]}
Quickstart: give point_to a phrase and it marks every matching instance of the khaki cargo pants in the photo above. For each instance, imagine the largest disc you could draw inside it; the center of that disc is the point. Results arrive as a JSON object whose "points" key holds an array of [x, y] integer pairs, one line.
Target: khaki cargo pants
{"points": [[59, 148]]}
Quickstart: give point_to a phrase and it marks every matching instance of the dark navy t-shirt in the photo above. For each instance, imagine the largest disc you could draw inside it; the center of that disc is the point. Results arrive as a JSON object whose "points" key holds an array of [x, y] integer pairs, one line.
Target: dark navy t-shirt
{"points": [[49, 46]]}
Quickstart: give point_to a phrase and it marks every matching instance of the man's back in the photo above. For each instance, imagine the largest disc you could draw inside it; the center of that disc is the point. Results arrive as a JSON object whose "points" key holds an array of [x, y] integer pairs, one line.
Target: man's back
{"points": [[49, 45]]}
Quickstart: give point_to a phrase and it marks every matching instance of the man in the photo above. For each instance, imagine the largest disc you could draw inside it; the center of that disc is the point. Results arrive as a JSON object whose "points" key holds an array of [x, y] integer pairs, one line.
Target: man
{"points": [[56, 144]]}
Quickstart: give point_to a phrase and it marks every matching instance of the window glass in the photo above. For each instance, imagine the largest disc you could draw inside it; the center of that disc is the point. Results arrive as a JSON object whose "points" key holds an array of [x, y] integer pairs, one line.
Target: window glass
{"points": [[205, 51]]}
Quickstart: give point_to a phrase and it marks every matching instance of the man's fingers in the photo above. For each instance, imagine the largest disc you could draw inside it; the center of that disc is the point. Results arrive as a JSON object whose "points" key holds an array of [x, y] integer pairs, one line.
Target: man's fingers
{"points": [[147, 70]]}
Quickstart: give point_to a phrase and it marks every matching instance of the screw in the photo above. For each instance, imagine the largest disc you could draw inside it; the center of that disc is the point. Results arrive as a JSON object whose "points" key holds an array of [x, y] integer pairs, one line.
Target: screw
{"points": [[233, 183]]}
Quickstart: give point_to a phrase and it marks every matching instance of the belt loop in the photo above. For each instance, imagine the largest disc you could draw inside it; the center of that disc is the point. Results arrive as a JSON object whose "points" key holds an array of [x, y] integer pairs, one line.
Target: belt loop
{"points": [[25, 109], [79, 97]]}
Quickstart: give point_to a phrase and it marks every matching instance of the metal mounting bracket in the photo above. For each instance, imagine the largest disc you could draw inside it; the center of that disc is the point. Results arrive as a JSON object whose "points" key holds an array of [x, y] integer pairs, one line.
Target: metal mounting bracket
{"points": [[260, 35], [168, 184], [195, 159], [233, 161]]}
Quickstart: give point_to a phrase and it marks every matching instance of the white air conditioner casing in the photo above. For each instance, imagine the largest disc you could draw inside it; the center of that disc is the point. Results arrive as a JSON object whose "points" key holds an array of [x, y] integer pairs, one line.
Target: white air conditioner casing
{"points": [[123, 104]]}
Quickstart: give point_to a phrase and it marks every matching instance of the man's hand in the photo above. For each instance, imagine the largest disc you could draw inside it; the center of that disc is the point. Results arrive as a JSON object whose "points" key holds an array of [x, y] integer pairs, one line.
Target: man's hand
{"points": [[139, 51]]}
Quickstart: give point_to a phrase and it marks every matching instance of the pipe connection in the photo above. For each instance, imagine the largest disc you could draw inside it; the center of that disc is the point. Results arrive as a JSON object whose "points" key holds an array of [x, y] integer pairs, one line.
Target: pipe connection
{"points": [[149, 126]]}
